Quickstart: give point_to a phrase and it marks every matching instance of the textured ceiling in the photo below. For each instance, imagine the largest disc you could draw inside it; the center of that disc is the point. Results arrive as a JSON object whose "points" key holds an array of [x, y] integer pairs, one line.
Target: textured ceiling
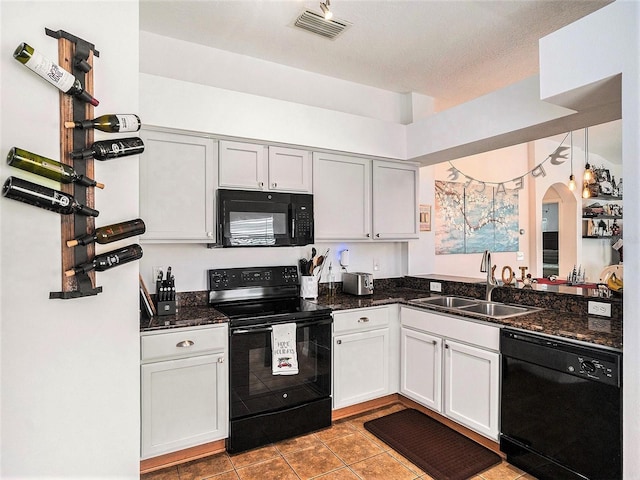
{"points": [[451, 50]]}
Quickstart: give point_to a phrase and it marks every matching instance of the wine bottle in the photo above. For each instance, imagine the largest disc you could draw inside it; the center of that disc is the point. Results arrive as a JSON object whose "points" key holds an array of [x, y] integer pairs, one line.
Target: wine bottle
{"points": [[45, 167], [52, 73], [44, 197], [106, 149], [108, 260], [110, 233], [112, 123]]}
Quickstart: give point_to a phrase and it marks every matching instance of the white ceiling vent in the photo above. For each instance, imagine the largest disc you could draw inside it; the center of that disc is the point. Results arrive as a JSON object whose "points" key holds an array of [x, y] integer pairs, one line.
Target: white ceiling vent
{"points": [[315, 23]]}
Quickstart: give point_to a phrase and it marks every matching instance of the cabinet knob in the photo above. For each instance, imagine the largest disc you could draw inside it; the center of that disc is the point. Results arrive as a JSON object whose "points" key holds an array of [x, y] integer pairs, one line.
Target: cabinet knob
{"points": [[210, 234], [446, 345], [363, 319], [184, 343], [377, 235], [434, 342], [339, 342], [274, 185], [221, 360], [368, 235], [261, 184]]}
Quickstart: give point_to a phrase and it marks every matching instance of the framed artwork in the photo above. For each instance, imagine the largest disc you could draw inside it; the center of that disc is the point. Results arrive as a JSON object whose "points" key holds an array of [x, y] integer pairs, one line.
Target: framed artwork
{"points": [[425, 218]]}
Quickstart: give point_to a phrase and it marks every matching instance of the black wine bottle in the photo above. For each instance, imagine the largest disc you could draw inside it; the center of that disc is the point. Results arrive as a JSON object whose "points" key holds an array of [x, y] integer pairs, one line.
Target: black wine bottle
{"points": [[44, 197], [110, 233], [108, 260], [112, 123], [52, 73], [45, 167], [106, 149]]}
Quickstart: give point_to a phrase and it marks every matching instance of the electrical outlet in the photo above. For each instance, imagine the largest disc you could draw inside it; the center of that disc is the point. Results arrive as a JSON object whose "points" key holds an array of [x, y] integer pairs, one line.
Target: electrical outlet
{"points": [[376, 264], [435, 286], [520, 256], [600, 308]]}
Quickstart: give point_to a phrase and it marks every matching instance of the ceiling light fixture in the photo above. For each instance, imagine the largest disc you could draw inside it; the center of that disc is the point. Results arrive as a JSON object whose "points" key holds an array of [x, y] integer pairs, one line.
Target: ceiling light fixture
{"points": [[324, 6], [572, 179], [588, 174]]}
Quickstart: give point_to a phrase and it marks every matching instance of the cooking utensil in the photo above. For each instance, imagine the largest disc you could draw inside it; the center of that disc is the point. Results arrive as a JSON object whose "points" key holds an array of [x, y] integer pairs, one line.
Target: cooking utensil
{"points": [[304, 266]]}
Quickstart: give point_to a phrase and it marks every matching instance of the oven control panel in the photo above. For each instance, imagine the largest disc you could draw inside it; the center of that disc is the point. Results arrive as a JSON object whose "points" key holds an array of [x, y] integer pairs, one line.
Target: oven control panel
{"points": [[234, 278]]}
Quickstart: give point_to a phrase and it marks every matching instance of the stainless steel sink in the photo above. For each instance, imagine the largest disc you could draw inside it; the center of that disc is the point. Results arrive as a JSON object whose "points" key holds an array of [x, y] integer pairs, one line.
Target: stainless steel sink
{"points": [[445, 301], [496, 310], [454, 304]]}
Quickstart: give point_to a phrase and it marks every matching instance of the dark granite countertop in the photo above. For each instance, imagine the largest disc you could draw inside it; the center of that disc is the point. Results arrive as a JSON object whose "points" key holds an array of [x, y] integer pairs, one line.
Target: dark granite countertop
{"points": [[187, 316], [561, 322]]}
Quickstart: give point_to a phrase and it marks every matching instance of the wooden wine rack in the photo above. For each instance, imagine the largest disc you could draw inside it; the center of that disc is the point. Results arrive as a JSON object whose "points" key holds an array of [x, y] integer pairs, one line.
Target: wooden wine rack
{"points": [[76, 55]]}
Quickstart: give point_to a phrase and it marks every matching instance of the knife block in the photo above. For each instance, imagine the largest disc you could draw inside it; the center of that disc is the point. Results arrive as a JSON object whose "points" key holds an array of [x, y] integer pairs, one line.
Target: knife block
{"points": [[166, 308]]}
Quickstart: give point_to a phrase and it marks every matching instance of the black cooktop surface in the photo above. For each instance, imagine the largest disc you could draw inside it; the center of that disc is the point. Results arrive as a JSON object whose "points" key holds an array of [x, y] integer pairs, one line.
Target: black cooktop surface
{"points": [[270, 311]]}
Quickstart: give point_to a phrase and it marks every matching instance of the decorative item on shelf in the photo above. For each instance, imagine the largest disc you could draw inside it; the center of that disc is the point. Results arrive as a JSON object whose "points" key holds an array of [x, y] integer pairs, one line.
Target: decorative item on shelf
{"points": [[105, 261], [165, 293], [112, 123], [44, 197], [45, 167], [577, 276], [110, 233], [52, 73], [107, 149]]}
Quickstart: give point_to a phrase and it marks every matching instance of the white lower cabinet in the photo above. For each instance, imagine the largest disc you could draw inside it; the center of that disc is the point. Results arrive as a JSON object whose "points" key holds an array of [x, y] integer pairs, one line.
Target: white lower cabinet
{"points": [[471, 387], [421, 368], [184, 379], [362, 353], [452, 366]]}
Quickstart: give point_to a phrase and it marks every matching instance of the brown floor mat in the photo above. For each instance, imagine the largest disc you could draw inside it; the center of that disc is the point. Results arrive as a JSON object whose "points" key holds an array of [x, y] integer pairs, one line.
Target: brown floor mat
{"points": [[438, 450]]}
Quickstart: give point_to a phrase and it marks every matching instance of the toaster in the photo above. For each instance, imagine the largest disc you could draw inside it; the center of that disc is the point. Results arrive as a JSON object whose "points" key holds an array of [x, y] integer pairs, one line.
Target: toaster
{"points": [[357, 283]]}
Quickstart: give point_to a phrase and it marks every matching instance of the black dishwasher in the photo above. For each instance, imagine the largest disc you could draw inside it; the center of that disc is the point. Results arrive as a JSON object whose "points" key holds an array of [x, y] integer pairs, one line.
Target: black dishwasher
{"points": [[560, 407]]}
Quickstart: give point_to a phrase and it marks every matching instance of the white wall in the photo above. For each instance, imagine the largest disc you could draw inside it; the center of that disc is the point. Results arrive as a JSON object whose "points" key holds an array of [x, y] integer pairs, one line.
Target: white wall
{"points": [[203, 65], [70, 368]]}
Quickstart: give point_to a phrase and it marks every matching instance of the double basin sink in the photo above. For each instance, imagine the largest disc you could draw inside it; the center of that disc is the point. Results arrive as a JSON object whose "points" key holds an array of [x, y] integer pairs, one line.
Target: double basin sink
{"points": [[469, 305]]}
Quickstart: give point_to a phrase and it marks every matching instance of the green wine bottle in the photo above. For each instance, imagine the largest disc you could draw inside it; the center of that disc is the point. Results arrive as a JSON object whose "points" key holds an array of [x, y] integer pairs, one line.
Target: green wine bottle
{"points": [[108, 260], [112, 123], [110, 233], [52, 73], [44, 197], [45, 167]]}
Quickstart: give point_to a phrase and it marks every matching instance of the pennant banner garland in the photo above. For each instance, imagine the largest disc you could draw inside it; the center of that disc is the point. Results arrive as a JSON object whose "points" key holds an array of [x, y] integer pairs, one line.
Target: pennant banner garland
{"points": [[558, 157]]}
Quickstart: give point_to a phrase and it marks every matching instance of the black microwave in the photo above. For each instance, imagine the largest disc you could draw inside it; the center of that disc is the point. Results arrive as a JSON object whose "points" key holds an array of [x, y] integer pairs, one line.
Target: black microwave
{"points": [[264, 219]]}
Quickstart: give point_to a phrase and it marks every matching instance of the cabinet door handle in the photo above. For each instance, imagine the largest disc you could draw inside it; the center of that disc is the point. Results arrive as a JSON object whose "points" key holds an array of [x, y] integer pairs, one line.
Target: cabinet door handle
{"points": [[368, 235], [377, 235], [210, 234], [363, 319], [221, 360], [261, 184], [434, 342], [339, 342], [184, 343], [446, 345], [274, 185]]}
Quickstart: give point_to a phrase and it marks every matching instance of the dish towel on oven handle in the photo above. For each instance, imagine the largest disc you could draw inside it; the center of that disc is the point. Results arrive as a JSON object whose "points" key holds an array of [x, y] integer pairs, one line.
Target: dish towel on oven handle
{"points": [[283, 348]]}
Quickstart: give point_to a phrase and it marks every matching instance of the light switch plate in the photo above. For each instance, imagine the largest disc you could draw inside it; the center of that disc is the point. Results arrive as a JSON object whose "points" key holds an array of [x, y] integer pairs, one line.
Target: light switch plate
{"points": [[435, 286], [520, 256], [600, 308]]}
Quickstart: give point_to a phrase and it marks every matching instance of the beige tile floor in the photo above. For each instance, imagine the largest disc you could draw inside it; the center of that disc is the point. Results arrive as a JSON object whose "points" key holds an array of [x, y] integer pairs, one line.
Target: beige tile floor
{"points": [[346, 451]]}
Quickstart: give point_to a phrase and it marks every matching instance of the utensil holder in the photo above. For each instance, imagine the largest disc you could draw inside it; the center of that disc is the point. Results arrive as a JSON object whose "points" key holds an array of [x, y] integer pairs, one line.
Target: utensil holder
{"points": [[309, 287]]}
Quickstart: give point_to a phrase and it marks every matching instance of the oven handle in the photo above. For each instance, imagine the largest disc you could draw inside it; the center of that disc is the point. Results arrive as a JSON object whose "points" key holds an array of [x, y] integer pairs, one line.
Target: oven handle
{"points": [[262, 329]]}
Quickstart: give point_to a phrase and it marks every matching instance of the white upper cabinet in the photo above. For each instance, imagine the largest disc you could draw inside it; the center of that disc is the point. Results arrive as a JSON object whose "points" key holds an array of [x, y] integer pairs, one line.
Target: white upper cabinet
{"points": [[342, 197], [362, 199], [248, 166], [290, 170], [178, 178], [395, 200]]}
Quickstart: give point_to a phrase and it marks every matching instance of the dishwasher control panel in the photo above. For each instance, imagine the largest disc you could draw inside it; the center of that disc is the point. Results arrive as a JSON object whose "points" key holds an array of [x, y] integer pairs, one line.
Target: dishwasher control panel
{"points": [[593, 368]]}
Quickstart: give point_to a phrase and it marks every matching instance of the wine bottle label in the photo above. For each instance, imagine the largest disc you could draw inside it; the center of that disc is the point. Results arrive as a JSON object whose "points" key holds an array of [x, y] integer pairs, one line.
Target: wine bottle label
{"points": [[50, 71], [128, 123]]}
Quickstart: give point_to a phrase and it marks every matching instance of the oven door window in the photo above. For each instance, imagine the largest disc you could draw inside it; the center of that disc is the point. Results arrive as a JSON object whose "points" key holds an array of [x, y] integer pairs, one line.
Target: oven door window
{"points": [[253, 387], [256, 223]]}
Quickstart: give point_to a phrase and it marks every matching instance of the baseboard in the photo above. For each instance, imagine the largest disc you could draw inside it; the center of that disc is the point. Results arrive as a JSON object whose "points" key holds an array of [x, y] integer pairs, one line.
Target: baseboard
{"points": [[364, 407], [181, 456]]}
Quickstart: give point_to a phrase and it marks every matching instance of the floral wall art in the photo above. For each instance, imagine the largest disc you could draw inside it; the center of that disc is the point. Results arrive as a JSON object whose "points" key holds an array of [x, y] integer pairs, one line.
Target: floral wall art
{"points": [[475, 218]]}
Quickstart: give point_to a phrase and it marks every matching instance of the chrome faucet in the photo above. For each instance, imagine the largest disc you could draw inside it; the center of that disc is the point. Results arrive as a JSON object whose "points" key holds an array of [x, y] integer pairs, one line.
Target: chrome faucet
{"points": [[485, 266]]}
